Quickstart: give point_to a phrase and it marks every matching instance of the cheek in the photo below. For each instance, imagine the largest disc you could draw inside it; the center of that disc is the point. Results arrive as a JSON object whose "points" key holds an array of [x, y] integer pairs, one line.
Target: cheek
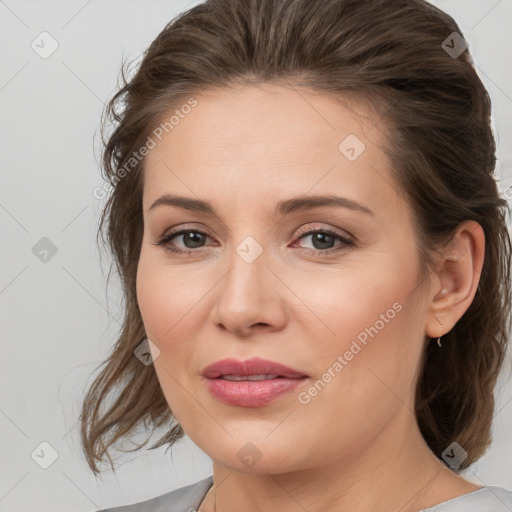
{"points": [[367, 372], [166, 298], [170, 304], [152, 299], [348, 302], [160, 311], [369, 317]]}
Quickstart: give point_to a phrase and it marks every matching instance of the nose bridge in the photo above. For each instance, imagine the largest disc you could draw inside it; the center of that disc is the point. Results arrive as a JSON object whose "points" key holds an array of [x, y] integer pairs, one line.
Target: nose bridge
{"points": [[245, 295], [248, 267]]}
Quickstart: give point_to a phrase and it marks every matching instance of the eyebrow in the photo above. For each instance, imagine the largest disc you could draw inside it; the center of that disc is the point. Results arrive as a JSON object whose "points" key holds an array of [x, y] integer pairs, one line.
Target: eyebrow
{"points": [[295, 204]]}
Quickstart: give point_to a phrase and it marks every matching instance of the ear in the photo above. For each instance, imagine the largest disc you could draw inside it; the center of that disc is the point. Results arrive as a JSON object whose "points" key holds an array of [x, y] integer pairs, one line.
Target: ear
{"points": [[456, 281]]}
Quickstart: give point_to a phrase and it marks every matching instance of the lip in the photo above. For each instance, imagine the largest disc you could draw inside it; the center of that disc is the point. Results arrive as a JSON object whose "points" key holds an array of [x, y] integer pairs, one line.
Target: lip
{"points": [[251, 393], [253, 366]]}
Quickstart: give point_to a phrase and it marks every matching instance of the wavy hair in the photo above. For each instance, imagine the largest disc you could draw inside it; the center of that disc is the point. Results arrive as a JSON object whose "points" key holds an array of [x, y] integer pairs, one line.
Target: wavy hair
{"points": [[396, 55]]}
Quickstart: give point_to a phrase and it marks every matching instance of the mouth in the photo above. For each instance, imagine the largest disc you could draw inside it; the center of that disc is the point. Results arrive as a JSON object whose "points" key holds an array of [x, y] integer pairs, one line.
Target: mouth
{"points": [[252, 383]]}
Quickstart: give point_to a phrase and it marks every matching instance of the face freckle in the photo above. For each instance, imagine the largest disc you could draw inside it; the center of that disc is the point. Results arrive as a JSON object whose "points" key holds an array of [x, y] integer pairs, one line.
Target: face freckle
{"points": [[349, 320]]}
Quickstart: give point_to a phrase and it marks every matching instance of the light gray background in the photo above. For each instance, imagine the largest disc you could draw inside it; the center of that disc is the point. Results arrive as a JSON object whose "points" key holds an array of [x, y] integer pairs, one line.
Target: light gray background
{"points": [[55, 324]]}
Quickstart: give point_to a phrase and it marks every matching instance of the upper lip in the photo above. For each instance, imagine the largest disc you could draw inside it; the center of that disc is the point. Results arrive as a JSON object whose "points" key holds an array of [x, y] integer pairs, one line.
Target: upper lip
{"points": [[253, 366]]}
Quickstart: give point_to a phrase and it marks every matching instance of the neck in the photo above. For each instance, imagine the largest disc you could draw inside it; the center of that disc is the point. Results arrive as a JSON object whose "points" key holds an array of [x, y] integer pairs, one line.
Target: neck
{"points": [[395, 471]]}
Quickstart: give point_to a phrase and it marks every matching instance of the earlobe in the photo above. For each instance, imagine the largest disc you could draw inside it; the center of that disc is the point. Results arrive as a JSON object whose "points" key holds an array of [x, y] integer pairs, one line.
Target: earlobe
{"points": [[459, 270]]}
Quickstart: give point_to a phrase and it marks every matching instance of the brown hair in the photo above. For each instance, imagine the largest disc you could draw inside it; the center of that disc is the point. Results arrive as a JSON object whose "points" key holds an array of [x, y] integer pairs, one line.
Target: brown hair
{"points": [[440, 143]]}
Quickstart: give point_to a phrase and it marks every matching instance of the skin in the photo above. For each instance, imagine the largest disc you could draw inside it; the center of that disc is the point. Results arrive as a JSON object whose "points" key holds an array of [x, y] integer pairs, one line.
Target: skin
{"points": [[356, 445]]}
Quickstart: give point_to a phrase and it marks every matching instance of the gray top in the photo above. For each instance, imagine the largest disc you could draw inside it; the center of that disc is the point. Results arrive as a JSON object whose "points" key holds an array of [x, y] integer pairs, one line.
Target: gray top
{"points": [[188, 499]]}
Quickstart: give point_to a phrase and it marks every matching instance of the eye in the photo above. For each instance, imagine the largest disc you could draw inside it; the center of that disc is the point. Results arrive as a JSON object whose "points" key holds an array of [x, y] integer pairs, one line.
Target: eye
{"points": [[193, 239], [323, 239]]}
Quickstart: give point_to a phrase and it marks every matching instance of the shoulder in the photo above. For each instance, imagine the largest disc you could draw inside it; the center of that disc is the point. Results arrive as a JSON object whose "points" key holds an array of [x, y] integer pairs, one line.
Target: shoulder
{"points": [[487, 499], [180, 500]]}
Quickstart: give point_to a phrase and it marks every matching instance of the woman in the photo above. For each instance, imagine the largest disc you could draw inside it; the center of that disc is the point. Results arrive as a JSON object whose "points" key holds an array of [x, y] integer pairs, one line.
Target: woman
{"points": [[314, 257]]}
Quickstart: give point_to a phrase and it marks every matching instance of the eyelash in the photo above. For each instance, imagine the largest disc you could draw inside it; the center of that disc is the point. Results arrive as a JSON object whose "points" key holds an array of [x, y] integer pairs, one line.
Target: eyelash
{"points": [[166, 239]]}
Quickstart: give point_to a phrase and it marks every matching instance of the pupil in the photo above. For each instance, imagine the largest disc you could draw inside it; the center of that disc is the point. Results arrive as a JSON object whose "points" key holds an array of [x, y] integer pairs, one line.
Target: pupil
{"points": [[192, 237], [320, 237]]}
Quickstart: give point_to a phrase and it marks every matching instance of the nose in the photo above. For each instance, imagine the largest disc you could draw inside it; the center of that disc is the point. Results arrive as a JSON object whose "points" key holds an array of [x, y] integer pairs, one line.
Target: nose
{"points": [[250, 297]]}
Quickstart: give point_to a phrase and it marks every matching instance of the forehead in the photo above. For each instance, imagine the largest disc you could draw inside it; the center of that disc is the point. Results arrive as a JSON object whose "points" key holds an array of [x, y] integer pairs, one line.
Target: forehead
{"points": [[287, 120], [269, 136]]}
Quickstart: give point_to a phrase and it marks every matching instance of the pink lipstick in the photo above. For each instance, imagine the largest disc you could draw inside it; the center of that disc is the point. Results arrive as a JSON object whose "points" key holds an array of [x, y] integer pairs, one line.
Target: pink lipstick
{"points": [[251, 383]]}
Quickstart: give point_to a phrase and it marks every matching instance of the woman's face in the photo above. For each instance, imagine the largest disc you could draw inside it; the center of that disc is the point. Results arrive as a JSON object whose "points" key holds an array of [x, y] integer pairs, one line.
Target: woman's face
{"points": [[347, 314]]}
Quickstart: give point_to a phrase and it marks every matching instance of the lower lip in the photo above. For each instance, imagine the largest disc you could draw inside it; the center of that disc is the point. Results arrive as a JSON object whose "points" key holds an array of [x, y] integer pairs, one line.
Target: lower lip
{"points": [[251, 393]]}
